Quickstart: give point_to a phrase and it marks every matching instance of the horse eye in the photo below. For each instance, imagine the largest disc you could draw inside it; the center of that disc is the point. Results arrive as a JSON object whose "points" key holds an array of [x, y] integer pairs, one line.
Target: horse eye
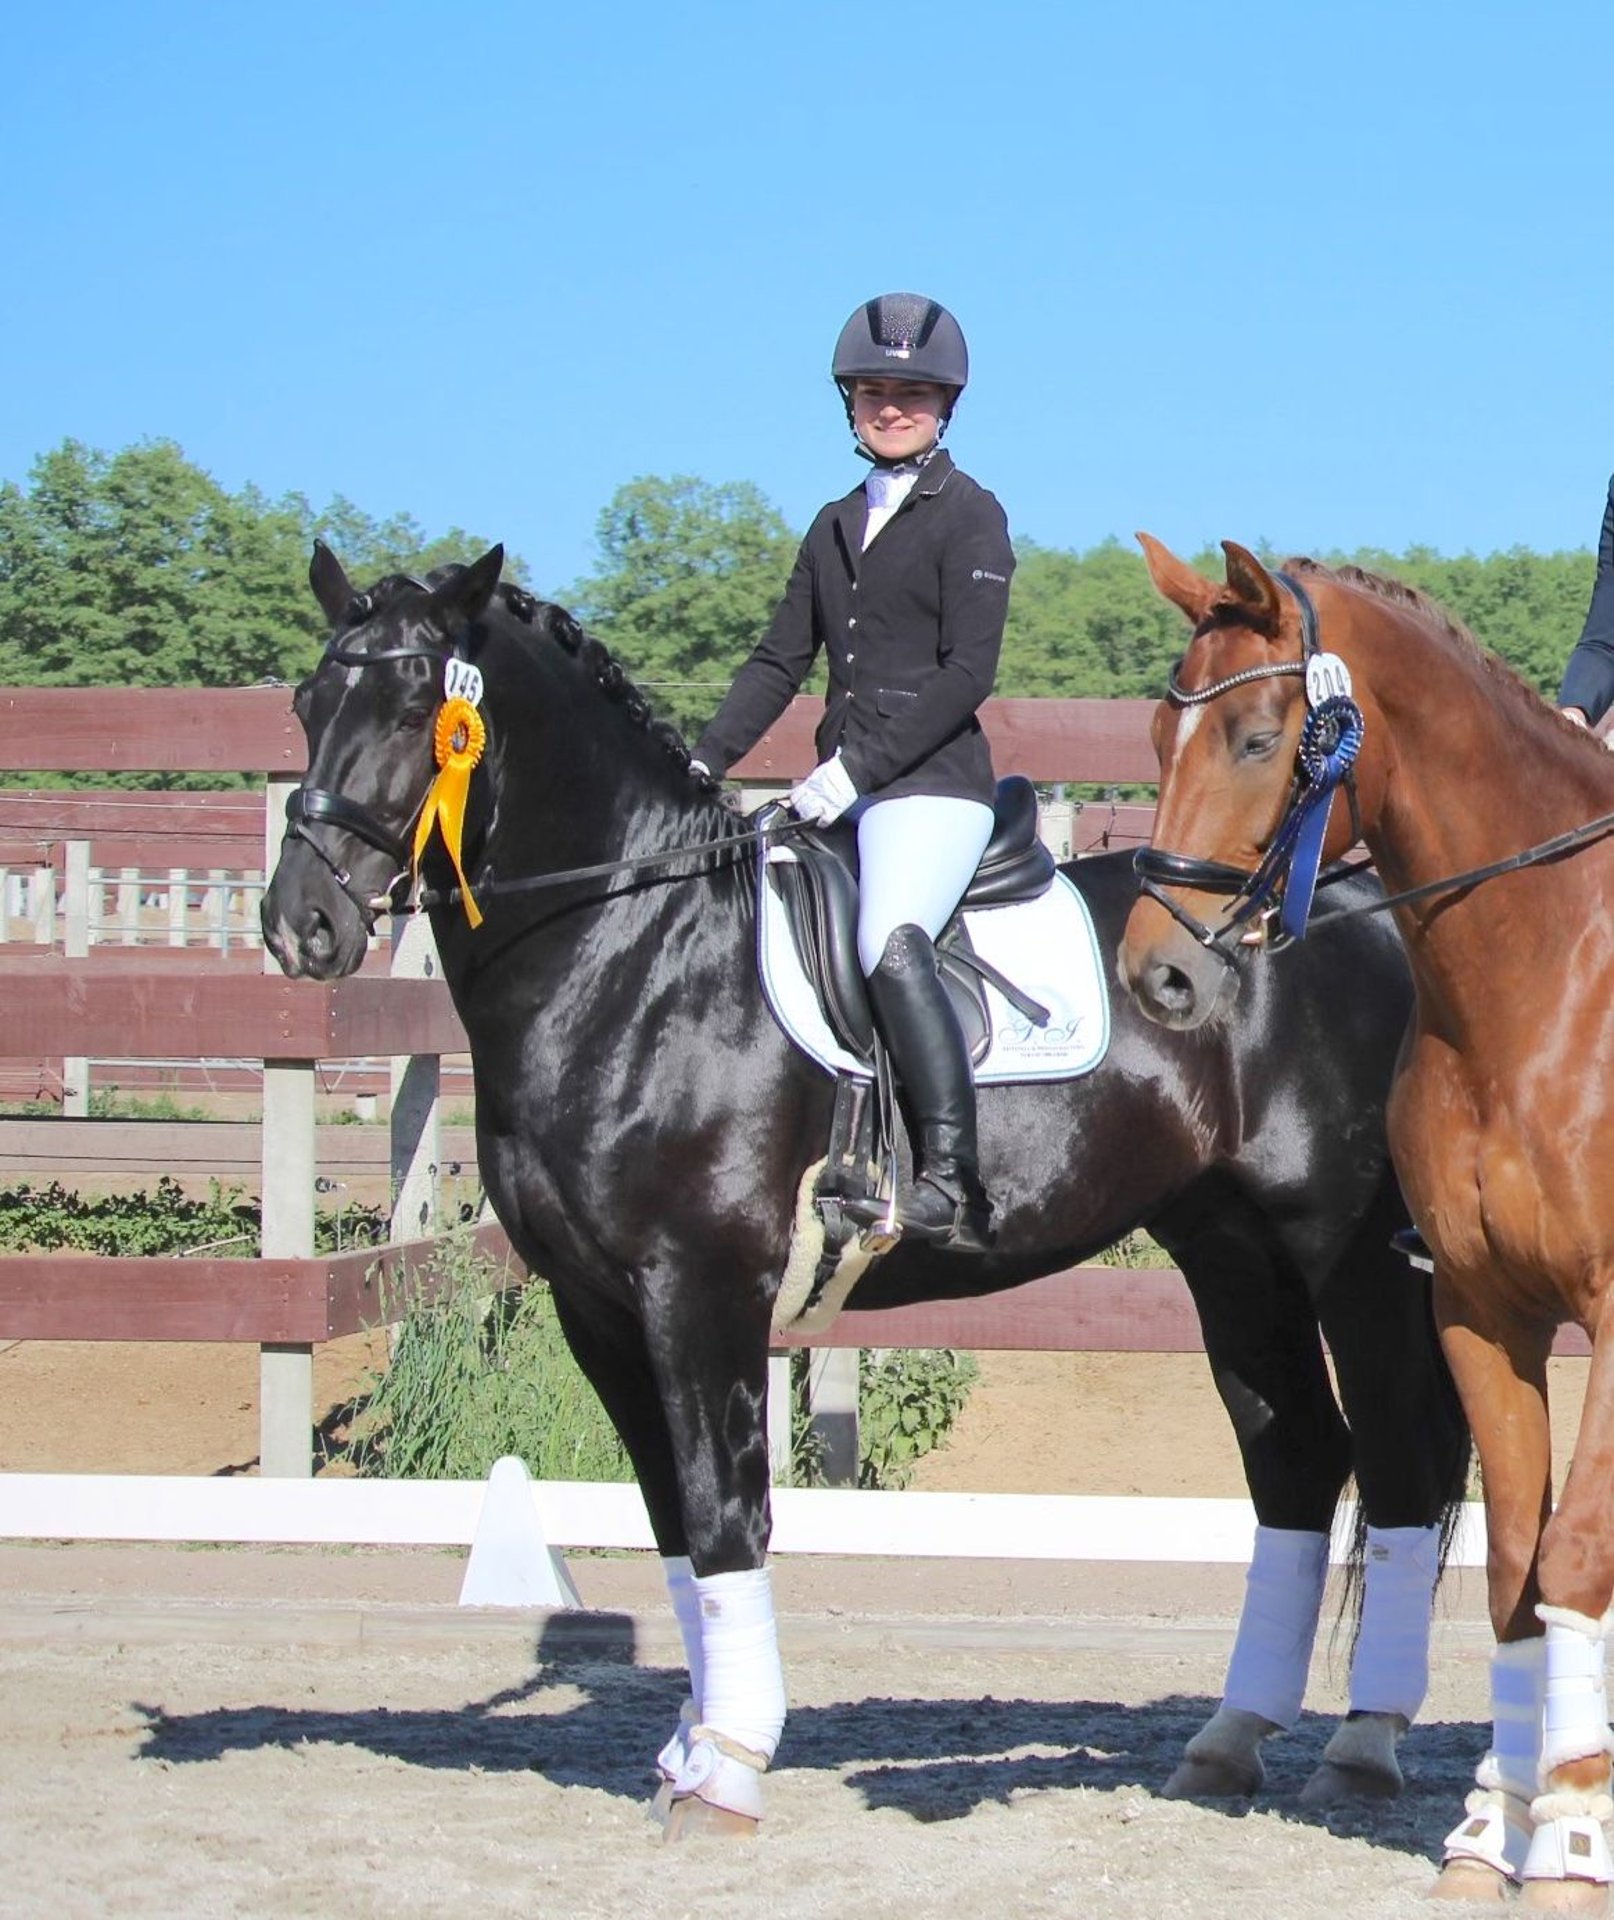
{"points": [[415, 720], [1259, 746]]}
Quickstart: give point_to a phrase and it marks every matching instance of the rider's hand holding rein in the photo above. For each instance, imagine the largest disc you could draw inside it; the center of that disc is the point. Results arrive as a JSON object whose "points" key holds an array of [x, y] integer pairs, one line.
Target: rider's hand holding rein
{"points": [[903, 585], [825, 794]]}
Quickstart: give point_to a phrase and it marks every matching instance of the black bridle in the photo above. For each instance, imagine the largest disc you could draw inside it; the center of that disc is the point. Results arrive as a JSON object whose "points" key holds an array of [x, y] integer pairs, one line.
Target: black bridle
{"points": [[309, 807], [1282, 885]]}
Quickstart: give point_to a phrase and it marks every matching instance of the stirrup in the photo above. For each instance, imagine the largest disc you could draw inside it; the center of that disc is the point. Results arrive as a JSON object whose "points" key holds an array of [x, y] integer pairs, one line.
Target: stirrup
{"points": [[968, 1231]]}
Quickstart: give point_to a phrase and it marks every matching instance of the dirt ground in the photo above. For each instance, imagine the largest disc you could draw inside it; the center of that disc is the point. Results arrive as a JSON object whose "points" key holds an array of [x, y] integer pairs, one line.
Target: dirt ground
{"points": [[300, 1732], [1035, 1422], [293, 1733]]}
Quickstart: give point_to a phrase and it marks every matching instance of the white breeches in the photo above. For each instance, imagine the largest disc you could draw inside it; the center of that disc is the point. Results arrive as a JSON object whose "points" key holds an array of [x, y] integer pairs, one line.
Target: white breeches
{"points": [[916, 856]]}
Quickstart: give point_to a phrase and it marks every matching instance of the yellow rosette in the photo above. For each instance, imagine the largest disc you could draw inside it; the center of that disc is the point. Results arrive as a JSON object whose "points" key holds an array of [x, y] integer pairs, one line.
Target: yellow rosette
{"points": [[457, 739]]}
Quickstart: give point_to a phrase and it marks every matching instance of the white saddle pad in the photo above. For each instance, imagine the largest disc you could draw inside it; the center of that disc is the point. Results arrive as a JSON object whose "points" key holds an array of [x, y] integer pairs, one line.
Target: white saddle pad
{"points": [[1046, 946]]}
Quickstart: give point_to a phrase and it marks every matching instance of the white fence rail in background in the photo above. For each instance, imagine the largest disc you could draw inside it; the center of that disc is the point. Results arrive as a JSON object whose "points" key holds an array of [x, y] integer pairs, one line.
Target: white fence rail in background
{"points": [[590, 1514]]}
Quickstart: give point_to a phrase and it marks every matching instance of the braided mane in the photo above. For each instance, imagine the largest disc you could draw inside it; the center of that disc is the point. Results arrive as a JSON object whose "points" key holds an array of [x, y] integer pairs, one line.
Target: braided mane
{"points": [[607, 673]]}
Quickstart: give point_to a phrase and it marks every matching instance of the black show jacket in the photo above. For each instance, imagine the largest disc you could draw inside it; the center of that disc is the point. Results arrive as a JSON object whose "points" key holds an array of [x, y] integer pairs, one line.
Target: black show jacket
{"points": [[1588, 681], [911, 630]]}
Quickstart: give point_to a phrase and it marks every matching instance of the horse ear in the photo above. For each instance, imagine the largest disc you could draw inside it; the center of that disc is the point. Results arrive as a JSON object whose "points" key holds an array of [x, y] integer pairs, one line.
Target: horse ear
{"points": [[330, 583], [1177, 581], [1252, 588], [463, 598]]}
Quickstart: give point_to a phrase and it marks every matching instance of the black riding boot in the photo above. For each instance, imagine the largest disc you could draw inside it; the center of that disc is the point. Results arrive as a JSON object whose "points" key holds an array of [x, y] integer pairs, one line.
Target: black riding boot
{"points": [[947, 1203]]}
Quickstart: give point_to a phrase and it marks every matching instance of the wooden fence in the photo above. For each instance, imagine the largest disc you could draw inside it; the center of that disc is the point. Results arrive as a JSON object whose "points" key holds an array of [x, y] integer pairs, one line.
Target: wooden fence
{"points": [[83, 1000]]}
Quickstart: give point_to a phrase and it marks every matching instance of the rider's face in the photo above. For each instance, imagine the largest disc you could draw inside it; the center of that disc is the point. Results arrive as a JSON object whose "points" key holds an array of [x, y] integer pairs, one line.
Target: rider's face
{"points": [[897, 419]]}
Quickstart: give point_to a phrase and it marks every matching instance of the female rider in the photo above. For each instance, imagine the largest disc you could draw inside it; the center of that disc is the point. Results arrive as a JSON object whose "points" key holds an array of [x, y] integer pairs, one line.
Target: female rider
{"points": [[904, 584]]}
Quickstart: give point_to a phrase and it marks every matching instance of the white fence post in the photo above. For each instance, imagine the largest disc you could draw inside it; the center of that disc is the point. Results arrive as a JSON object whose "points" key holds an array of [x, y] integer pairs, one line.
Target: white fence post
{"points": [[76, 1070], [285, 1371], [779, 1411], [218, 908], [832, 1411], [42, 903], [416, 1096], [129, 906], [178, 903]]}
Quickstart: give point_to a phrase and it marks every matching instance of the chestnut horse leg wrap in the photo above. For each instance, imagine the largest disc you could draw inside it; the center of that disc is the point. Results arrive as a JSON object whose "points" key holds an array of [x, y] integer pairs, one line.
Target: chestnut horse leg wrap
{"points": [[1283, 1595], [742, 1693], [1390, 1669], [1569, 1842], [1498, 1829]]}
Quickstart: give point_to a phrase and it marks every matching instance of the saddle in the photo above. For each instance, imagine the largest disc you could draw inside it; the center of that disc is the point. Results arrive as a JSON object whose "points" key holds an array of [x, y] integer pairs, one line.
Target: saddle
{"points": [[819, 889]]}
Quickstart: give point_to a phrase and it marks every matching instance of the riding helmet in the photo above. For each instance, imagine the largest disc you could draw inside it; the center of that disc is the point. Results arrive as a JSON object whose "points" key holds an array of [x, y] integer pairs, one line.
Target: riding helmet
{"points": [[901, 336]]}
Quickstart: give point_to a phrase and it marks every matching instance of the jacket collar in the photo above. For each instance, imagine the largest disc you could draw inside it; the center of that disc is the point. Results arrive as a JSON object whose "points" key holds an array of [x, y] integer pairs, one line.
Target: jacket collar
{"points": [[852, 512]]}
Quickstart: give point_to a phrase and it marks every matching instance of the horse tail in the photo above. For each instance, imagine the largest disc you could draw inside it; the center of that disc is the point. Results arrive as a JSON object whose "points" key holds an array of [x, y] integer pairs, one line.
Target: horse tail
{"points": [[1353, 1586]]}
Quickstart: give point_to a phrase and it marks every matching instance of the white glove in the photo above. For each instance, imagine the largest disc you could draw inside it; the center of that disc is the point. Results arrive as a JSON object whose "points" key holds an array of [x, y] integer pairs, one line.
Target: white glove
{"points": [[825, 794]]}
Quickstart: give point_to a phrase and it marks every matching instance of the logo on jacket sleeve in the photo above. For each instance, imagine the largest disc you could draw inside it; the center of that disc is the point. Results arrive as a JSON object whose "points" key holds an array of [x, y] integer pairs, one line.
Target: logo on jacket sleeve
{"points": [[986, 573]]}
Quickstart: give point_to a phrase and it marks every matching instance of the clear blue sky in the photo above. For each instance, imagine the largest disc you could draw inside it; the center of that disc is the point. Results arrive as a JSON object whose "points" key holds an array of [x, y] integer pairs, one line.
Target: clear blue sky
{"points": [[1324, 276]]}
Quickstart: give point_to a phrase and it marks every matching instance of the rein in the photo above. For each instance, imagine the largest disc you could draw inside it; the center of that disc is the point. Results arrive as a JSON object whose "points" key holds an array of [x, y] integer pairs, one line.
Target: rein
{"points": [[604, 870]]}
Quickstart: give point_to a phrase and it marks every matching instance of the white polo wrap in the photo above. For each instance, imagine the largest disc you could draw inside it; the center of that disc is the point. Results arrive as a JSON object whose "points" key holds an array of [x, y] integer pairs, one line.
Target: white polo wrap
{"points": [[1390, 1668], [1283, 1595]]}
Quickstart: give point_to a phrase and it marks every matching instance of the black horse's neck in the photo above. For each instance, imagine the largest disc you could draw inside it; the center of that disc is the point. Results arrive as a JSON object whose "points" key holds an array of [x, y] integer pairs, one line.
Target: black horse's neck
{"points": [[577, 773]]}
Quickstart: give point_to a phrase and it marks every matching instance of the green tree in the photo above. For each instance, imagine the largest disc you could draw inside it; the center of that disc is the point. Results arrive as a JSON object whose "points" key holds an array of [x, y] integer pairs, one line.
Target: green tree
{"points": [[1088, 624], [138, 569], [689, 574]]}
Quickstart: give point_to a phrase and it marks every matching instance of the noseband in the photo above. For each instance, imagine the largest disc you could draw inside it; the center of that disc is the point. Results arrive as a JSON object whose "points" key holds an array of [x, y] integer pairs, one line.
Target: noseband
{"points": [[310, 807], [1284, 882]]}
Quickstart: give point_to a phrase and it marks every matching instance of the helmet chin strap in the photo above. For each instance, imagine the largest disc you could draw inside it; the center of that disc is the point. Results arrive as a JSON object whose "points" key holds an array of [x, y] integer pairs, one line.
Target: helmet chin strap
{"points": [[909, 463]]}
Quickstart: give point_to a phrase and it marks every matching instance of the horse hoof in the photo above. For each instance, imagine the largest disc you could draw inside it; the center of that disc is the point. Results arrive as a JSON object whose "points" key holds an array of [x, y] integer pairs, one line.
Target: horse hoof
{"points": [[1220, 1779], [660, 1804], [1333, 1785], [690, 1818], [1564, 1896], [1470, 1880]]}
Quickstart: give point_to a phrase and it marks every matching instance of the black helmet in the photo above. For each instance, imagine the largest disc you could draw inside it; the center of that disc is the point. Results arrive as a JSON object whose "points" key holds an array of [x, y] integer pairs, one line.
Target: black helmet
{"points": [[901, 336]]}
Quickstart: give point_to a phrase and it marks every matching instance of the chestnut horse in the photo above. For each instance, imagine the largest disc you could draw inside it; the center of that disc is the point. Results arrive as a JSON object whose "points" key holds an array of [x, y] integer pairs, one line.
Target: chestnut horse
{"points": [[1501, 1124]]}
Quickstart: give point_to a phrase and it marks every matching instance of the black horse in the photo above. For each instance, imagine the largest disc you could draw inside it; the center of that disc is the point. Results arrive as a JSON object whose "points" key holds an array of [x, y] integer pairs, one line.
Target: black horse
{"points": [[645, 1133]]}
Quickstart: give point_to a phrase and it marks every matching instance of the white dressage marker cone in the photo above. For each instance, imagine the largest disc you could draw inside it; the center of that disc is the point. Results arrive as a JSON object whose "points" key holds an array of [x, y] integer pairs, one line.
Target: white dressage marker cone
{"points": [[511, 1563]]}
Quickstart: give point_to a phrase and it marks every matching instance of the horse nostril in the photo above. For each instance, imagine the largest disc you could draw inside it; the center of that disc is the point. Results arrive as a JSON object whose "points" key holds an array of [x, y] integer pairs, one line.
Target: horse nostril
{"points": [[1167, 990], [319, 942]]}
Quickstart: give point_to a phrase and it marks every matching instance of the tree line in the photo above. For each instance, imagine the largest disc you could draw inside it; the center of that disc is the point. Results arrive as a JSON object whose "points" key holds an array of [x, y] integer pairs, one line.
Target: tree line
{"points": [[136, 568]]}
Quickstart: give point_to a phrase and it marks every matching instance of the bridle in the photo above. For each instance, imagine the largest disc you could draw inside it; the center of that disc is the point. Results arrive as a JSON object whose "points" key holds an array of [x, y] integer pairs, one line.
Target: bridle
{"points": [[1282, 886], [310, 807]]}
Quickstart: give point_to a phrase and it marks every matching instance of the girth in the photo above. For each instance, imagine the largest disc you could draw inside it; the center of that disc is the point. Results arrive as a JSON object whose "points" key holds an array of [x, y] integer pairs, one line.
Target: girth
{"points": [[820, 892]]}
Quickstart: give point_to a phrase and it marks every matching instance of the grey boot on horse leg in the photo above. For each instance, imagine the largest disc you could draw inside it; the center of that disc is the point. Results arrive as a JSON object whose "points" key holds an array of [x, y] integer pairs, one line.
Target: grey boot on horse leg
{"points": [[947, 1204]]}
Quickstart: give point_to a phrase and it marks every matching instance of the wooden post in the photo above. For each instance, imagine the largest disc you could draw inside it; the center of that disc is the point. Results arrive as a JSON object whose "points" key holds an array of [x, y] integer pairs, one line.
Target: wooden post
{"points": [[179, 893], [285, 1372], [76, 1069], [780, 1409], [832, 1403], [416, 1096]]}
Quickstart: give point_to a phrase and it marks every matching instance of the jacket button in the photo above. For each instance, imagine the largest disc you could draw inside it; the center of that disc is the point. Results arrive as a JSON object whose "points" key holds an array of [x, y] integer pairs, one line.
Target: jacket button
{"points": [[853, 621], [850, 658]]}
